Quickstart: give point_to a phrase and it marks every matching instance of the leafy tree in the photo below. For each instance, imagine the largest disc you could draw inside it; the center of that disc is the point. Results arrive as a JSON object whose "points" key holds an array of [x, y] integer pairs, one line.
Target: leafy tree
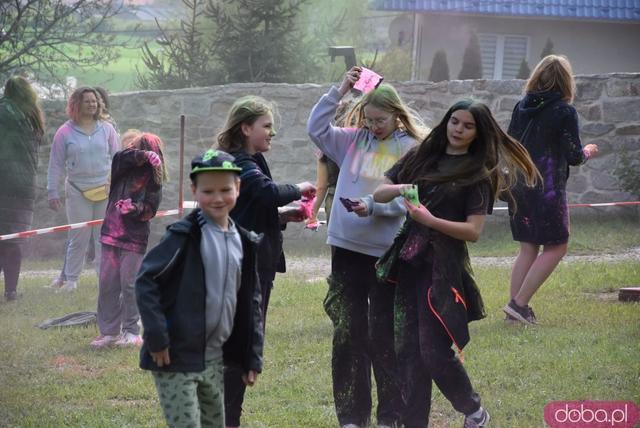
{"points": [[45, 38], [524, 71], [548, 48], [439, 67], [471, 61]]}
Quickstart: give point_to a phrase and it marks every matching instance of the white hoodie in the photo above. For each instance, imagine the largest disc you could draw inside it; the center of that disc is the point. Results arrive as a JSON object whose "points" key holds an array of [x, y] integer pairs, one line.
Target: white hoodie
{"points": [[363, 160]]}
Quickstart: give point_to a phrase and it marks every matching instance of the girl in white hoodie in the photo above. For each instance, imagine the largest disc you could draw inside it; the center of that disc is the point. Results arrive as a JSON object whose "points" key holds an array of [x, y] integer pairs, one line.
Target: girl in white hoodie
{"points": [[356, 302]]}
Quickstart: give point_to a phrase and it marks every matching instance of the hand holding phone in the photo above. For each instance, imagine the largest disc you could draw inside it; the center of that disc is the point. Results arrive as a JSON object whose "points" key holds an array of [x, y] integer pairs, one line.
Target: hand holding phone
{"points": [[349, 204]]}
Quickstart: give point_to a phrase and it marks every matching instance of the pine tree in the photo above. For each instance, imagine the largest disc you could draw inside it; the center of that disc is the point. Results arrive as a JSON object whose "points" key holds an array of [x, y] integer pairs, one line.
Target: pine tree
{"points": [[472, 60], [548, 48], [439, 67], [524, 71], [257, 40], [227, 41], [184, 60]]}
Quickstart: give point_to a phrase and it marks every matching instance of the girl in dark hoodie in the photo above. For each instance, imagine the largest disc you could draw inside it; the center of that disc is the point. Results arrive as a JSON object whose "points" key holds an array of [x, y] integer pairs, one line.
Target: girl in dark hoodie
{"points": [[137, 174], [547, 125], [246, 135]]}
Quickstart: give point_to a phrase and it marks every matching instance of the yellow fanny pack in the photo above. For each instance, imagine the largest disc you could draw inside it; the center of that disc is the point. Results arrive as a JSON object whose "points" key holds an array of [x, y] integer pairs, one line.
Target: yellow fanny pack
{"points": [[95, 194]]}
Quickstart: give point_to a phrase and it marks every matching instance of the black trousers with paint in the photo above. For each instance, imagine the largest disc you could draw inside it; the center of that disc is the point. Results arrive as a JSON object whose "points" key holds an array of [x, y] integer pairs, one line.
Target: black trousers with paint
{"points": [[234, 387], [424, 353], [361, 310]]}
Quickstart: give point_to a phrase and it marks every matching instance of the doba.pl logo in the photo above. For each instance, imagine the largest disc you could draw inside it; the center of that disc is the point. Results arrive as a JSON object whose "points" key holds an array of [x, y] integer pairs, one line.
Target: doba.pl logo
{"points": [[592, 414]]}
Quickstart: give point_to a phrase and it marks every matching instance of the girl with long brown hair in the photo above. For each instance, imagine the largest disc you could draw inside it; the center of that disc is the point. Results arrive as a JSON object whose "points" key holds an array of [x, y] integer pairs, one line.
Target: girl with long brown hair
{"points": [[459, 170]]}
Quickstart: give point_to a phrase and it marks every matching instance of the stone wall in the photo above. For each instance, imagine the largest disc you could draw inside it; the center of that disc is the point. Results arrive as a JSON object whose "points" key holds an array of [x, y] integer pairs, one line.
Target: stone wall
{"points": [[608, 105]]}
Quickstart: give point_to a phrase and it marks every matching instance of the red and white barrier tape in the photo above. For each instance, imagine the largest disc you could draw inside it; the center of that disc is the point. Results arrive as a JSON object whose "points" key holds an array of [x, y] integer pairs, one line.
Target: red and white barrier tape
{"points": [[91, 223], [603, 204], [192, 204]]}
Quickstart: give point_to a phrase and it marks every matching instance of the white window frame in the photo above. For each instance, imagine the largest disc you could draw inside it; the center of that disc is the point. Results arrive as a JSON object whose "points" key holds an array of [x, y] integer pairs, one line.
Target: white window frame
{"points": [[498, 64]]}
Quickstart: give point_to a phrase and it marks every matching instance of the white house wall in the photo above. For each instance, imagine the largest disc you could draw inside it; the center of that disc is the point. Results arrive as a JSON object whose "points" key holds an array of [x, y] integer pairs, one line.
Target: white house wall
{"points": [[592, 47]]}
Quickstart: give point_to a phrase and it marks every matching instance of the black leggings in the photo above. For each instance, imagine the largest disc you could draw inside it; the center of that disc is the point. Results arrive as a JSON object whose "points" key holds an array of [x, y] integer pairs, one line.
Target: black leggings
{"points": [[10, 262]]}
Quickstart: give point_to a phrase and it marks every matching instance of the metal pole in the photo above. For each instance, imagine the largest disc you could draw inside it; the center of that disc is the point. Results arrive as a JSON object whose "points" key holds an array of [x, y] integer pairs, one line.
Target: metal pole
{"points": [[181, 179]]}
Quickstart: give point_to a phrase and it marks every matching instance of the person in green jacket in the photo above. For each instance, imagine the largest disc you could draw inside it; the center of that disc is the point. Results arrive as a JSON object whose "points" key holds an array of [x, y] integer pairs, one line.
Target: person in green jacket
{"points": [[22, 131]]}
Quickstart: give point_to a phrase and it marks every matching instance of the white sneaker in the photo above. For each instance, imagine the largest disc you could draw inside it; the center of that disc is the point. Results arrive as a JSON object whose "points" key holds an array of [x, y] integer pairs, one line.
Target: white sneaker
{"points": [[55, 284], [129, 339], [104, 340], [68, 286]]}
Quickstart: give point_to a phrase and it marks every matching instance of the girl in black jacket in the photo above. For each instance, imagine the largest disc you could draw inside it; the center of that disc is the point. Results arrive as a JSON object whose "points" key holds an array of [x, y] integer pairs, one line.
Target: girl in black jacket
{"points": [[246, 135]]}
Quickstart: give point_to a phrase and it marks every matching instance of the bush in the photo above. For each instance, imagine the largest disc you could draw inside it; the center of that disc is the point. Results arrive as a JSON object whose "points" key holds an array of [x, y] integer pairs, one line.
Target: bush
{"points": [[394, 65], [439, 67], [524, 71], [548, 49], [472, 60], [628, 171]]}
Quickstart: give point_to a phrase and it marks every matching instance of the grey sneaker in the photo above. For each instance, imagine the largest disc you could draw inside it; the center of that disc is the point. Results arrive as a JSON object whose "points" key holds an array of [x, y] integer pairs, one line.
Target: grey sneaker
{"points": [[479, 422], [520, 313], [67, 287], [56, 283]]}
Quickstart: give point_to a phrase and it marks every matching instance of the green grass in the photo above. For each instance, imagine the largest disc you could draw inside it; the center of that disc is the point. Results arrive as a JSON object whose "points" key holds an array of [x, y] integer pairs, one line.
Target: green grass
{"points": [[589, 235], [613, 233], [586, 348], [119, 75]]}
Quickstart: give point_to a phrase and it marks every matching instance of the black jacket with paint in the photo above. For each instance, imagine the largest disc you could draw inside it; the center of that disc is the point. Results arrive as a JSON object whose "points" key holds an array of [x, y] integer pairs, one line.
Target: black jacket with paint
{"points": [[257, 209], [171, 292]]}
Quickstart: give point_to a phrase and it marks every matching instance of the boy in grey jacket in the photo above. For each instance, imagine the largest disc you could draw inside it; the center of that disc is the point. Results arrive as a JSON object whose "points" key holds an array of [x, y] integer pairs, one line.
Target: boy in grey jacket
{"points": [[199, 299]]}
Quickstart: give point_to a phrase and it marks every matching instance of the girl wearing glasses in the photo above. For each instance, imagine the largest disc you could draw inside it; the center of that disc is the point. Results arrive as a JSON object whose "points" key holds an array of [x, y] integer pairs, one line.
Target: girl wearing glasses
{"points": [[457, 171], [359, 233]]}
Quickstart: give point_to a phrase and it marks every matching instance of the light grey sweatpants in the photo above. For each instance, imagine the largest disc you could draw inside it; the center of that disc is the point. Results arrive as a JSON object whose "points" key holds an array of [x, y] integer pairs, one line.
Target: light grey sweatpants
{"points": [[80, 209], [117, 308]]}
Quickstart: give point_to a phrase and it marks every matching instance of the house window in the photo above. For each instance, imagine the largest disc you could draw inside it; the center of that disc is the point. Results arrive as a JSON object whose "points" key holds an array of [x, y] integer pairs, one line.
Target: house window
{"points": [[502, 55]]}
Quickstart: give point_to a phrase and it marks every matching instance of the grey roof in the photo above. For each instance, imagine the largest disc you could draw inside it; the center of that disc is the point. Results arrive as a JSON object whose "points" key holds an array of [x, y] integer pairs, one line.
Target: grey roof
{"points": [[606, 10]]}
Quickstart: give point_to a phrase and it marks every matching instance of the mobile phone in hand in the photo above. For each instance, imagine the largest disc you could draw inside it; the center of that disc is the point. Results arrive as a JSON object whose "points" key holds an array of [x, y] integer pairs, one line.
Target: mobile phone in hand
{"points": [[349, 204]]}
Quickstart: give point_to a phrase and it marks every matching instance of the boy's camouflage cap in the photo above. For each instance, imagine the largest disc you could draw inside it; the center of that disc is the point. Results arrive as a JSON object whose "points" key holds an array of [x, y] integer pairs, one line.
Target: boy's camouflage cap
{"points": [[213, 160]]}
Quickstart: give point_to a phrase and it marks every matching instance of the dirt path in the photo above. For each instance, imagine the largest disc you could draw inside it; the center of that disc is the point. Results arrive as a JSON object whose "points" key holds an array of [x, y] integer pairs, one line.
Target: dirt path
{"points": [[314, 268]]}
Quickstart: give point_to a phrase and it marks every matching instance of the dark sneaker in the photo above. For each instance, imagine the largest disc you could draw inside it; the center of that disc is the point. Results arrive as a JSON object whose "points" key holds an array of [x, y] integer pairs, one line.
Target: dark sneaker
{"points": [[11, 295], [532, 316], [479, 422], [520, 313]]}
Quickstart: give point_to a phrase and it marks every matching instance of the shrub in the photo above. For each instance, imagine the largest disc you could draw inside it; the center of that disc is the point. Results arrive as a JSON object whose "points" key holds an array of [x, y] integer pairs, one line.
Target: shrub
{"points": [[472, 60], [628, 171], [439, 67]]}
